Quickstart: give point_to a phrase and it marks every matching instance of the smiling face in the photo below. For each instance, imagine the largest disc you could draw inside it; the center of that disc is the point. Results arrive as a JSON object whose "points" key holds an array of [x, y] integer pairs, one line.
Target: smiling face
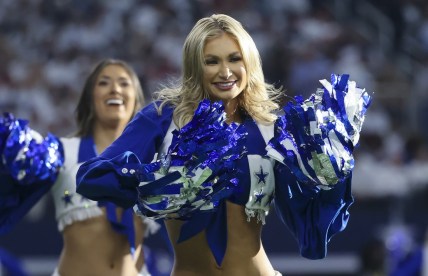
{"points": [[224, 73], [114, 96]]}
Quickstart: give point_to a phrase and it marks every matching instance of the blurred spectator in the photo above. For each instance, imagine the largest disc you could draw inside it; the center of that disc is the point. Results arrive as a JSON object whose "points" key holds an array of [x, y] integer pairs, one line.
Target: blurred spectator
{"points": [[45, 57]]}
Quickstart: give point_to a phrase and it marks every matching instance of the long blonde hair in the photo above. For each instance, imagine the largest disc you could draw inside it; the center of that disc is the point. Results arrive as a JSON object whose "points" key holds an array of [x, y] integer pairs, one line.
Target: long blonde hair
{"points": [[258, 98]]}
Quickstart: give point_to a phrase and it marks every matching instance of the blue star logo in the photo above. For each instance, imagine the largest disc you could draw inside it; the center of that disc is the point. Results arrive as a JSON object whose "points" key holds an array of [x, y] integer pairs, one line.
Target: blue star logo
{"points": [[67, 197], [259, 196], [261, 175]]}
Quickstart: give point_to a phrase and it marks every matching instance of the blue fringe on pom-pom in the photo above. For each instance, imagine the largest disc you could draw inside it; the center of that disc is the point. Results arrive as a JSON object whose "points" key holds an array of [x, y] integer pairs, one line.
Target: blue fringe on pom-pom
{"points": [[199, 169], [197, 174], [29, 166], [26, 156], [315, 138]]}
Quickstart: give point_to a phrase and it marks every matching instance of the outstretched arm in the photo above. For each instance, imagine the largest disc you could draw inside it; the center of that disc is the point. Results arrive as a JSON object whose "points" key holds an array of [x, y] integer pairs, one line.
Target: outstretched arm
{"points": [[313, 144], [194, 175], [111, 176]]}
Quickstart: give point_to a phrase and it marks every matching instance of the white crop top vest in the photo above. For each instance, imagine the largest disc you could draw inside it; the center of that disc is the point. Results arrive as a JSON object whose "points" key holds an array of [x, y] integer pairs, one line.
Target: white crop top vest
{"points": [[69, 205]]}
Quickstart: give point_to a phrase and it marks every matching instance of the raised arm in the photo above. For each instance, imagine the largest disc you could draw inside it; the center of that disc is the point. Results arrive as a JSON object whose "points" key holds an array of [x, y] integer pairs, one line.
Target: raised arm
{"points": [[313, 144]]}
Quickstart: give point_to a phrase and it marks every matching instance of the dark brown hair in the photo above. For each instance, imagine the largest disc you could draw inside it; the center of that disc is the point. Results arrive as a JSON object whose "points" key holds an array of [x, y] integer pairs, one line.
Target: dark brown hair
{"points": [[85, 110]]}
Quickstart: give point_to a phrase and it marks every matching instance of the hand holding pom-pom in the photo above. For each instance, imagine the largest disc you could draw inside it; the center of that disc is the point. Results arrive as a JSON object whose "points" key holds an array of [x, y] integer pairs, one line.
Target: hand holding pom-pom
{"points": [[25, 155], [316, 138], [198, 170], [29, 166]]}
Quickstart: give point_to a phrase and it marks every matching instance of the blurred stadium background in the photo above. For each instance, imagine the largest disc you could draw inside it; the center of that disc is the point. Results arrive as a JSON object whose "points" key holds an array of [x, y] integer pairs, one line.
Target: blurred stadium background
{"points": [[47, 47]]}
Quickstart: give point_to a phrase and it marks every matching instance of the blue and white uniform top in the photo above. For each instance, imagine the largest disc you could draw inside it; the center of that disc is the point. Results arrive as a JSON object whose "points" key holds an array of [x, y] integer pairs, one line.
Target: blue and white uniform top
{"points": [[312, 211], [70, 206], [261, 176]]}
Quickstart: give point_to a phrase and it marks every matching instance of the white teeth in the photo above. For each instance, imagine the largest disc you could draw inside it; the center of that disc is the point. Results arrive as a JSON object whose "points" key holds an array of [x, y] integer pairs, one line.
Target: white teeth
{"points": [[225, 84], [114, 101]]}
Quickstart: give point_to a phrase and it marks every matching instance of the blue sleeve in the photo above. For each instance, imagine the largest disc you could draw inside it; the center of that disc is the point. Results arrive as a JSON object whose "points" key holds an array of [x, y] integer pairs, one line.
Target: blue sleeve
{"points": [[111, 175], [17, 200], [313, 215]]}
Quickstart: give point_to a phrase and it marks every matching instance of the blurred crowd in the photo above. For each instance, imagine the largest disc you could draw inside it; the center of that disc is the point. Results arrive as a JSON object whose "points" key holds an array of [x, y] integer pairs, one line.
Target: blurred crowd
{"points": [[48, 46]]}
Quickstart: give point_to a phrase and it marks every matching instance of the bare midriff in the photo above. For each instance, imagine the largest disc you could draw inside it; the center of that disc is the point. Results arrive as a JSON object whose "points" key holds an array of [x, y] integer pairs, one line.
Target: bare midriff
{"points": [[244, 253], [92, 247]]}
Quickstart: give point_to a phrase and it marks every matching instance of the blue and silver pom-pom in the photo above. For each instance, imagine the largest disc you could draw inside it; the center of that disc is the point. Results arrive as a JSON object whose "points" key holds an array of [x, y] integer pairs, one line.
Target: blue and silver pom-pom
{"points": [[25, 155], [199, 169], [315, 138]]}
